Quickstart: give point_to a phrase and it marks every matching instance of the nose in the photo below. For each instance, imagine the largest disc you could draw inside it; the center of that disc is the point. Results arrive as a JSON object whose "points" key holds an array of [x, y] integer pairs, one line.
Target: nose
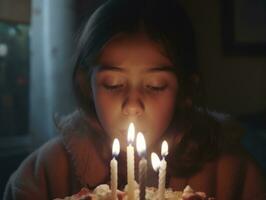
{"points": [[133, 104]]}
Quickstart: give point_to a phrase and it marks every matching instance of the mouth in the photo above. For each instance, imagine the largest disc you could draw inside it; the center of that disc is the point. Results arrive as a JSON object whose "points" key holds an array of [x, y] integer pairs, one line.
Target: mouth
{"points": [[123, 133]]}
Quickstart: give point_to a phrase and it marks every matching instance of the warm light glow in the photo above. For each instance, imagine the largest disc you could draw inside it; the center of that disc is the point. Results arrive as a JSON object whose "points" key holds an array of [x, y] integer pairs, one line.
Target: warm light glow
{"points": [[164, 149], [155, 161], [131, 133], [116, 147], [141, 144]]}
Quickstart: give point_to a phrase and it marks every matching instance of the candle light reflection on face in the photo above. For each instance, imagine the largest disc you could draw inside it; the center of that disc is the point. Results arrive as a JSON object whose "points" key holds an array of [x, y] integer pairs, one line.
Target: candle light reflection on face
{"points": [[155, 161], [131, 133], [141, 144], [116, 147]]}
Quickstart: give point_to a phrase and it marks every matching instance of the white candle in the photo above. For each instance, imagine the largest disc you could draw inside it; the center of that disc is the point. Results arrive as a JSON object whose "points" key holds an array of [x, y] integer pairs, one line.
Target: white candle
{"points": [[155, 161], [141, 148], [162, 175], [161, 166], [162, 171], [130, 163], [113, 165]]}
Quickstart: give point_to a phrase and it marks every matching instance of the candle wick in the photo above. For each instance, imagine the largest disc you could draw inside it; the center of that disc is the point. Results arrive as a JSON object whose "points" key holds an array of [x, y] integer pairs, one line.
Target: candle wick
{"points": [[142, 155]]}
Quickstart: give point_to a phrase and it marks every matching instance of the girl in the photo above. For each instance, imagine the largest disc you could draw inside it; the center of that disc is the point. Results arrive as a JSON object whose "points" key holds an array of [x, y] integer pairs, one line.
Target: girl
{"points": [[136, 62]]}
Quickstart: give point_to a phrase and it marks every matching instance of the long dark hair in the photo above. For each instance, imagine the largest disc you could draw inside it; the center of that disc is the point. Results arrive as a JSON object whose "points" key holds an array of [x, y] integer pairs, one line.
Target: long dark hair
{"points": [[166, 23]]}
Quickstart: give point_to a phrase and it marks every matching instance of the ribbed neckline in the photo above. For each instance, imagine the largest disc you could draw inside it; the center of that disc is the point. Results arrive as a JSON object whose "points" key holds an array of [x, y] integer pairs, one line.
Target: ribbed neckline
{"points": [[76, 135]]}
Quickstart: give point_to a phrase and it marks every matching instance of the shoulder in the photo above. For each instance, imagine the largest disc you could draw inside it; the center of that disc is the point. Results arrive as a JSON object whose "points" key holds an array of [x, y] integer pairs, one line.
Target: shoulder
{"points": [[254, 184], [37, 171], [230, 163], [52, 153], [42, 159], [239, 173]]}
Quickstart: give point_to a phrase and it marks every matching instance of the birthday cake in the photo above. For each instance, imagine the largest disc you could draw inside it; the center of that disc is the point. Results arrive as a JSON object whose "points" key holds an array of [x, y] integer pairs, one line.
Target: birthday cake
{"points": [[103, 192], [132, 191]]}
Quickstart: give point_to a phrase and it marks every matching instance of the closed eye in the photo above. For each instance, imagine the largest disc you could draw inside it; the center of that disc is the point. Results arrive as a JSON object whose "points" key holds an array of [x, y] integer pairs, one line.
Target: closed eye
{"points": [[156, 88], [113, 87]]}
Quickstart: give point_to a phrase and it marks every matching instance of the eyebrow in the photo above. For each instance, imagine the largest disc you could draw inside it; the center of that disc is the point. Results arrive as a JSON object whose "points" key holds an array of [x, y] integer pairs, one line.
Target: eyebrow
{"points": [[164, 68], [110, 68]]}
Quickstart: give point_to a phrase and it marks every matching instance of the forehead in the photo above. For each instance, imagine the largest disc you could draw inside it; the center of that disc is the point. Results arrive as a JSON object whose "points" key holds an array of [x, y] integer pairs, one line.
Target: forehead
{"points": [[134, 49]]}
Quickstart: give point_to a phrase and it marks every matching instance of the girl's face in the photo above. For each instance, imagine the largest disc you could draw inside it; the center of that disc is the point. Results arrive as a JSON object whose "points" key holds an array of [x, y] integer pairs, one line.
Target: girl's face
{"points": [[134, 82]]}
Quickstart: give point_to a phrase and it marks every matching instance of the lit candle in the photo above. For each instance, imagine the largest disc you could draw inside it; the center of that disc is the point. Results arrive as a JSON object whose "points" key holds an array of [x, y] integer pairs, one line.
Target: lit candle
{"points": [[113, 165], [155, 161], [162, 171], [141, 148], [161, 166], [130, 163]]}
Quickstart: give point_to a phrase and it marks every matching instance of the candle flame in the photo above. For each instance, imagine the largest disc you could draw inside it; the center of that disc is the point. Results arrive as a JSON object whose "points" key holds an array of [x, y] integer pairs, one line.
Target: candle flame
{"points": [[116, 147], [155, 161], [131, 133], [141, 144], [164, 149]]}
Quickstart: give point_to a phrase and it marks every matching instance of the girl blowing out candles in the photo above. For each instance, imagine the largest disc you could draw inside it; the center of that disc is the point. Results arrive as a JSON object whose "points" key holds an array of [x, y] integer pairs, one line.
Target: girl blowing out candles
{"points": [[136, 62]]}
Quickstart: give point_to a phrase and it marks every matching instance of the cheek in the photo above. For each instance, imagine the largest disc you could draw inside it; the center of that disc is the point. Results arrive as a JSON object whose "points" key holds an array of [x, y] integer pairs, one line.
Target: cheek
{"points": [[161, 111], [105, 108]]}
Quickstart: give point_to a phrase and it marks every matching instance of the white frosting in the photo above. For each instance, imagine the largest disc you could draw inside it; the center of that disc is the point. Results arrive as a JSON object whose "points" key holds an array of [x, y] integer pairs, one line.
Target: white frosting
{"points": [[103, 192], [188, 189]]}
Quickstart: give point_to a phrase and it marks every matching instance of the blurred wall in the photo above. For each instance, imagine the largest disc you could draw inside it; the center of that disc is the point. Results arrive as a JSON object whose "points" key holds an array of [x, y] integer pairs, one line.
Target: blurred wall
{"points": [[235, 84], [51, 47], [15, 10]]}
